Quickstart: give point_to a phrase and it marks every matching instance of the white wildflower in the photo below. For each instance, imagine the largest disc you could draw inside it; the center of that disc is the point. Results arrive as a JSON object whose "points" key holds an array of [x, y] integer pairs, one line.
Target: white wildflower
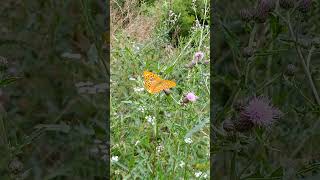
{"points": [[141, 109], [188, 140], [150, 119], [205, 175], [182, 164], [159, 148], [114, 159], [137, 89], [198, 174]]}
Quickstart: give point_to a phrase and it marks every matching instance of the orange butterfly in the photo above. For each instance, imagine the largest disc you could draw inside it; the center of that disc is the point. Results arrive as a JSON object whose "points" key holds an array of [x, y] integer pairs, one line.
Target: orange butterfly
{"points": [[154, 84]]}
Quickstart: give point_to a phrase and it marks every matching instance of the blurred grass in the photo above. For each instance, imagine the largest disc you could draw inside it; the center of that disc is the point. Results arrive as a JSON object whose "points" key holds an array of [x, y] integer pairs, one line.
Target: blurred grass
{"points": [[48, 128], [287, 149]]}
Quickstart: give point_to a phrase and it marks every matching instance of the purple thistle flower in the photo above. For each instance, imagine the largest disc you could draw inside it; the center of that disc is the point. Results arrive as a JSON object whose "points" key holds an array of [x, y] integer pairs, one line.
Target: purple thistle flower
{"points": [[304, 5], [190, 97], [261, 112], [198, 56]]}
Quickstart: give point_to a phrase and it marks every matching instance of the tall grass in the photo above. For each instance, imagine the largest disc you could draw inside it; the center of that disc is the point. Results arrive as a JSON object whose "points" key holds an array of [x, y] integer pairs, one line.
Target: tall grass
{"points": [[140, 147]]}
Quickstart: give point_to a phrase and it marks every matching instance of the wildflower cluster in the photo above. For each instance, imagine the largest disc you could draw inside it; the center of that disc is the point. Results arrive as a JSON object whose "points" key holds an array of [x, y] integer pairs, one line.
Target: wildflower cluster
{"points": [[173, 18]]}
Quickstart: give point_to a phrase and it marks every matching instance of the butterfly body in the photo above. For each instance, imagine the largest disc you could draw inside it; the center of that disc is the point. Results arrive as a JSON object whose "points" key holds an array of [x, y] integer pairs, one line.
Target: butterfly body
{"points": [[154, 84]]}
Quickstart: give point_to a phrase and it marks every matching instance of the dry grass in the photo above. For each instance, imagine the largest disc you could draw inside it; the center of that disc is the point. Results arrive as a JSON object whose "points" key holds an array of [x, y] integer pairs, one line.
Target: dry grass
{"points": [[132, 22]]}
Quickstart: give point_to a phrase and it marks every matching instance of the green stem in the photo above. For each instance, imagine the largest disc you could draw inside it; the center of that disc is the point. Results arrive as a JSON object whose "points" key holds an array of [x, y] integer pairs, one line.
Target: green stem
{"points": [[298, 49]]}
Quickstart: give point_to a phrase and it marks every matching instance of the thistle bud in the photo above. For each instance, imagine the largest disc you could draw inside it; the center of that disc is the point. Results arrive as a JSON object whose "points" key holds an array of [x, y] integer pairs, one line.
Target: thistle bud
{"points": [[248, 52], [291, 69], [167, 91], [239, 105], [286, 4], [316, 42], [243, 124], [246, 15], [304, 5], [260, 16], [228, 125], [16, 166]]}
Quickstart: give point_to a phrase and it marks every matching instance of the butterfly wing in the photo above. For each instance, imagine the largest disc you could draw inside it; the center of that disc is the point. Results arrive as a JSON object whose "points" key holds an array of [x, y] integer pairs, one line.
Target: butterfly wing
{"points": [[154, 84], [162, 85], [150, 80]]}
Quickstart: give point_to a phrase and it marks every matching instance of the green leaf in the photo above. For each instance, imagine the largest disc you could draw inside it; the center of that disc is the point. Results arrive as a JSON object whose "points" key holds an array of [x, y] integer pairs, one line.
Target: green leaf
{"points": [[7, 81], [197, 128]]}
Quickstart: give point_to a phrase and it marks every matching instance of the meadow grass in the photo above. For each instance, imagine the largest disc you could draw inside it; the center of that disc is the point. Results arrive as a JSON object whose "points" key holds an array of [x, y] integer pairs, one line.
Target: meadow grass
{"points": [[266, 54], [150, 133], [49, 130]]}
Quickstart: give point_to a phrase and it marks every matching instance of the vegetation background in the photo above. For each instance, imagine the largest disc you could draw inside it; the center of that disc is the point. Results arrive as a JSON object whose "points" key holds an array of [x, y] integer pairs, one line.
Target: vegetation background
{"points": [[267, 48], [153, 136], [53, 116]]}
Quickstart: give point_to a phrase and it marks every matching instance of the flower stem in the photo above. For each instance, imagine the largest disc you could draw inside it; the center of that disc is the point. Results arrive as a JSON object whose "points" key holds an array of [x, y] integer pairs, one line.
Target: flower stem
{"points": [[298, 49]]}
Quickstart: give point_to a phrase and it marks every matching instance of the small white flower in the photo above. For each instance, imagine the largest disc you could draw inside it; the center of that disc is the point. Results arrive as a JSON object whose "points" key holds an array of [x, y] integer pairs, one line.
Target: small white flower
{"points": [[137, 143], [132, 79], [188, 140], [137, 89], [205, 175], [117, 171], [198, 174], [114, 159], [141, 109], [159, 148], [150, 119], [182, 164]]}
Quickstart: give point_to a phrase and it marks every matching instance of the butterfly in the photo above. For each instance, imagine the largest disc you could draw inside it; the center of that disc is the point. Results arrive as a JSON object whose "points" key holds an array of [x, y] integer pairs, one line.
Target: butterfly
{"points": [[154, 84]]}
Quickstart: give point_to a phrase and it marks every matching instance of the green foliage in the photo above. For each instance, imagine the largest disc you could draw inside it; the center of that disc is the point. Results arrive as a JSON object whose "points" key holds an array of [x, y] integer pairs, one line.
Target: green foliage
{"points": [[187, 15]]}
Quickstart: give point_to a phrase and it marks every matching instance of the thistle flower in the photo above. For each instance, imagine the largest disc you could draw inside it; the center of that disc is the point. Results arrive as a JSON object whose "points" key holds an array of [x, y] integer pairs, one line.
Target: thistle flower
{"points": [[189, 97], [198, 56], [304, 5], [263, 9], [260, 112]]}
